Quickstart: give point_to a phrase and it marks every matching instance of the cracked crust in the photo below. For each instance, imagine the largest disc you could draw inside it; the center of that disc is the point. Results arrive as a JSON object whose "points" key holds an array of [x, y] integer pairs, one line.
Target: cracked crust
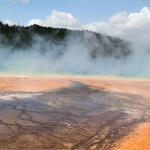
{"points": [[79, 117]]}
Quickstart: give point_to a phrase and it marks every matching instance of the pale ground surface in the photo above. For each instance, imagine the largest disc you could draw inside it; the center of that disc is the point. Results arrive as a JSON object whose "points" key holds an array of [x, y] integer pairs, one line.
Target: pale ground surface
{"points": [[76, 112], [31, 84], [35, 84]]}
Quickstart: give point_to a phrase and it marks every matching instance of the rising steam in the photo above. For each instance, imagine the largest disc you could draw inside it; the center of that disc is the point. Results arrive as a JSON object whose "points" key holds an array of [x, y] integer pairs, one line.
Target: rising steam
{"points": [[76, 55]]}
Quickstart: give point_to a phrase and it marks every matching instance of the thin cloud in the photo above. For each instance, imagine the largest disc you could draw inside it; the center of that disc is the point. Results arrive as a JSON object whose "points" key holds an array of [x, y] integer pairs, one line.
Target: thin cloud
{"points": [[15, 1]]}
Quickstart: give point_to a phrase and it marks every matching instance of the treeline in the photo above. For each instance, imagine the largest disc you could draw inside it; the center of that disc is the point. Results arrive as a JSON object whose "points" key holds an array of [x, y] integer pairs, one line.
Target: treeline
{"points": [[22, 38]]}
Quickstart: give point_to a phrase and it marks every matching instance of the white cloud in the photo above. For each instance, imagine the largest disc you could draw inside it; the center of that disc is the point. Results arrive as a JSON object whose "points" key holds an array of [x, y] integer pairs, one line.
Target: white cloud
{"points": [[15, 1], [25, 1], [58, 19], [133, 26], [8, 22]]}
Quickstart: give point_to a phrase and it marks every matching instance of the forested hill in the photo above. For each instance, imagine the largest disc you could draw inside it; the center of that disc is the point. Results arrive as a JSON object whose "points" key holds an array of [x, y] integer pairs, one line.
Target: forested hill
{"points": [[19, 38]]}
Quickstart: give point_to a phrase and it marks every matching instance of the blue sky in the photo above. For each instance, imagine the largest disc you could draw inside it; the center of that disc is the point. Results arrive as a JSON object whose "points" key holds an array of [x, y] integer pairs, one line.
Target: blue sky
{"points": [[87, 10], [125, 18]]}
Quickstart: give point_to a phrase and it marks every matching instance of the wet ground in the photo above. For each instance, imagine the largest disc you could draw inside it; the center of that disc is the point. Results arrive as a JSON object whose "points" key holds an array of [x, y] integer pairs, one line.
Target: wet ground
{"points": [[79, 117]]}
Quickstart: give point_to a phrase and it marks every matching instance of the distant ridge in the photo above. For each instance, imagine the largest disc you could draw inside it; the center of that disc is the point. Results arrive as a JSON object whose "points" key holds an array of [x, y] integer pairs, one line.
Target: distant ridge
{"points": [[99, 45]]}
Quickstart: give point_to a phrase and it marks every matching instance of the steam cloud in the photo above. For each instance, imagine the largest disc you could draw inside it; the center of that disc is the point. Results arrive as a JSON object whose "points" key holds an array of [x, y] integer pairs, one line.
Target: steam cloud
{"points": [[74, 57]]}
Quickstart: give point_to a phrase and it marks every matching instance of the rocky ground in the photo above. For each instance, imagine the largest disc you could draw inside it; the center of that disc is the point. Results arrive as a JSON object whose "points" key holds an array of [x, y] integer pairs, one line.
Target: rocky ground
{"points": [[77, 117]]}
